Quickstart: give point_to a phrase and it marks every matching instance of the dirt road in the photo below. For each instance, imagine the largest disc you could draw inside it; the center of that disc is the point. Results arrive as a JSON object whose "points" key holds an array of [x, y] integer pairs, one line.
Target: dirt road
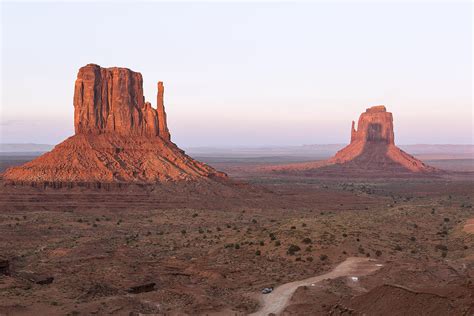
{"points": [[276, 301], [469, 226]]}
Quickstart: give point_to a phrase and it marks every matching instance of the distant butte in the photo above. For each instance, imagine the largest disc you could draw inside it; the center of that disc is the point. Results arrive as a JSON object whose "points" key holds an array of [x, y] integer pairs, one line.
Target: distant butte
{"points": [[119, 138], [372, 151]]}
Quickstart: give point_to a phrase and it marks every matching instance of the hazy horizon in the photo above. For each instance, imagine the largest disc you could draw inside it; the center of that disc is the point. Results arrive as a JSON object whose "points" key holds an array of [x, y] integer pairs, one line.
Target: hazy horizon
{"points": [[247, 74]]}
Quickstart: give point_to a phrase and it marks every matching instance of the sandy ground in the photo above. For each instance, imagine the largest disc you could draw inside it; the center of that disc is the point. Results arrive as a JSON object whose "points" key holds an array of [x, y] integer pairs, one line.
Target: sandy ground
{"points": [[469, 226]]}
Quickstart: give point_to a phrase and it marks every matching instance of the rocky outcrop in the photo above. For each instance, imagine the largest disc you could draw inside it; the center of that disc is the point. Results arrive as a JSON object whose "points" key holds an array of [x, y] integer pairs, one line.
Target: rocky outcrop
{"points": [[160, 107], [373, 145], [375, 125], [111, 100], [372, 152], [120, 138]]}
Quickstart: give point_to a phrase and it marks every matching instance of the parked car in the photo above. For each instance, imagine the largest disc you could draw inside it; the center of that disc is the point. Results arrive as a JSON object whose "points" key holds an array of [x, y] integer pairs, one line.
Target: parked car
{"points": [[267, 290]]}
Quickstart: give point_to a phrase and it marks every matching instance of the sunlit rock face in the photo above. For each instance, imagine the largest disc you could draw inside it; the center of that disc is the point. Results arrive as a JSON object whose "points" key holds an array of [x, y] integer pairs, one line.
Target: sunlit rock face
{"points": [[111, 100]]}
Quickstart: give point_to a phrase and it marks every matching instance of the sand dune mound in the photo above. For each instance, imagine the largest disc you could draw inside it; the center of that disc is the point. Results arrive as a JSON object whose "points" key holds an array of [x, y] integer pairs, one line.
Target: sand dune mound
{"points": [[119, 138]]}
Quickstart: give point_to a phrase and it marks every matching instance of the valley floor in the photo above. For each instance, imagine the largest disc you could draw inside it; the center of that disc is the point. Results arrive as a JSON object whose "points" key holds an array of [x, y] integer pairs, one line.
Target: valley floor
{"points": [[210, 248]]}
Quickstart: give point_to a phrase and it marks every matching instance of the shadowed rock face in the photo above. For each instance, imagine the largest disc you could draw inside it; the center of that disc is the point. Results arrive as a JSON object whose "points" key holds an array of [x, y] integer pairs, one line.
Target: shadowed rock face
{"points": [[373, 145], [118, 138]]}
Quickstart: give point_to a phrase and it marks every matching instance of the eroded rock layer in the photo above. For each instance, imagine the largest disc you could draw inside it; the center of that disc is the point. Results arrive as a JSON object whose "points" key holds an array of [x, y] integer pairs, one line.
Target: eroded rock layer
{"points": [[120, 138]]}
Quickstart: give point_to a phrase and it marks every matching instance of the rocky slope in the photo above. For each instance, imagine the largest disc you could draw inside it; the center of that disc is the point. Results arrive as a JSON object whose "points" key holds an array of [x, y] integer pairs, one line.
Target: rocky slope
{"points": [[120, 138]]}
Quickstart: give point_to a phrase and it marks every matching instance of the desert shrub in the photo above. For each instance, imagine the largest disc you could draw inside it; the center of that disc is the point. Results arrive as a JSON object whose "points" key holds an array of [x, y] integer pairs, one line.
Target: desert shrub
{"points": [[307, 240], [413, 238], [444, 254], [195, 215], [298, 259], [361, 249], [441, 247], [378, 253], [293, 249], [323, 257], [201, 231], [237, 246], [304, 225], [183, 231], [309, 249], [344, 235], [309, 259], [258, 253], [254, 221], [293, 227], [262, 243], [272, 236], [398, 248], [446, 219], [228, 226], [277, 243]]}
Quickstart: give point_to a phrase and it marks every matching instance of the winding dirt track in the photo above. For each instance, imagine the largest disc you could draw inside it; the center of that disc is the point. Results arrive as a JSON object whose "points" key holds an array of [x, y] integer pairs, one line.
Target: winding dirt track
{"points": [[276, 301], [469, 226]]}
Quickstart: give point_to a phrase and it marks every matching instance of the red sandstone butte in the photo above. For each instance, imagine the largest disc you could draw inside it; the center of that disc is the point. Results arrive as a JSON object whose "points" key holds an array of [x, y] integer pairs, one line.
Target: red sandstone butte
{"points": [[119, 138], [372, 151], [373, 144]]}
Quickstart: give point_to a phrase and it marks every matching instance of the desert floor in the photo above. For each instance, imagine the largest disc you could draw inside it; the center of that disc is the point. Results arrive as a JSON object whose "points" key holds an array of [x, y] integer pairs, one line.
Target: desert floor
{"points": [[209, 248]]}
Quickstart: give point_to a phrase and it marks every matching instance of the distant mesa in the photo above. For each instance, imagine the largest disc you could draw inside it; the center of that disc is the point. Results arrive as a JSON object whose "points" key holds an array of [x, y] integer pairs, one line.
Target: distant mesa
{"points": [[372, 151], [119, 138]]}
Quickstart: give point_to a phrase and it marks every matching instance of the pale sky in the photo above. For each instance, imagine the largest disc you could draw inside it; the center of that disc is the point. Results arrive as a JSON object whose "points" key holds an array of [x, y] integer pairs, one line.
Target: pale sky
{"points": [[246, 74]]}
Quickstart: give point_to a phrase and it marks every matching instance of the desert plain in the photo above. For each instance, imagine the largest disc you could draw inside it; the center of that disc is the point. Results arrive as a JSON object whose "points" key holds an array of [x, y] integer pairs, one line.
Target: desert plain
{"points": [[210, 247]]}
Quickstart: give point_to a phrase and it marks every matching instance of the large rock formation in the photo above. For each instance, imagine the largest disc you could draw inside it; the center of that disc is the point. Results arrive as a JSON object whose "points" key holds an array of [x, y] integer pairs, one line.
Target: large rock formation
{"points": [[119, 138], [111, 100], [373, 145], [372, 151]]}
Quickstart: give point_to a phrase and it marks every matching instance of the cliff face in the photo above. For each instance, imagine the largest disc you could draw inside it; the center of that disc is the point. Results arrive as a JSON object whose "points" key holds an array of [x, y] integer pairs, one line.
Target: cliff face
{"points": [[119, 138], [110, 100], [375, 125]]}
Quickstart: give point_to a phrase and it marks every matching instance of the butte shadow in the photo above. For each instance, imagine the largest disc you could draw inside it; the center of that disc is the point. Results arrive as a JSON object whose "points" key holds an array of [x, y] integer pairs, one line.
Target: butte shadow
{"points": [[371, 153], [119, 139]]}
